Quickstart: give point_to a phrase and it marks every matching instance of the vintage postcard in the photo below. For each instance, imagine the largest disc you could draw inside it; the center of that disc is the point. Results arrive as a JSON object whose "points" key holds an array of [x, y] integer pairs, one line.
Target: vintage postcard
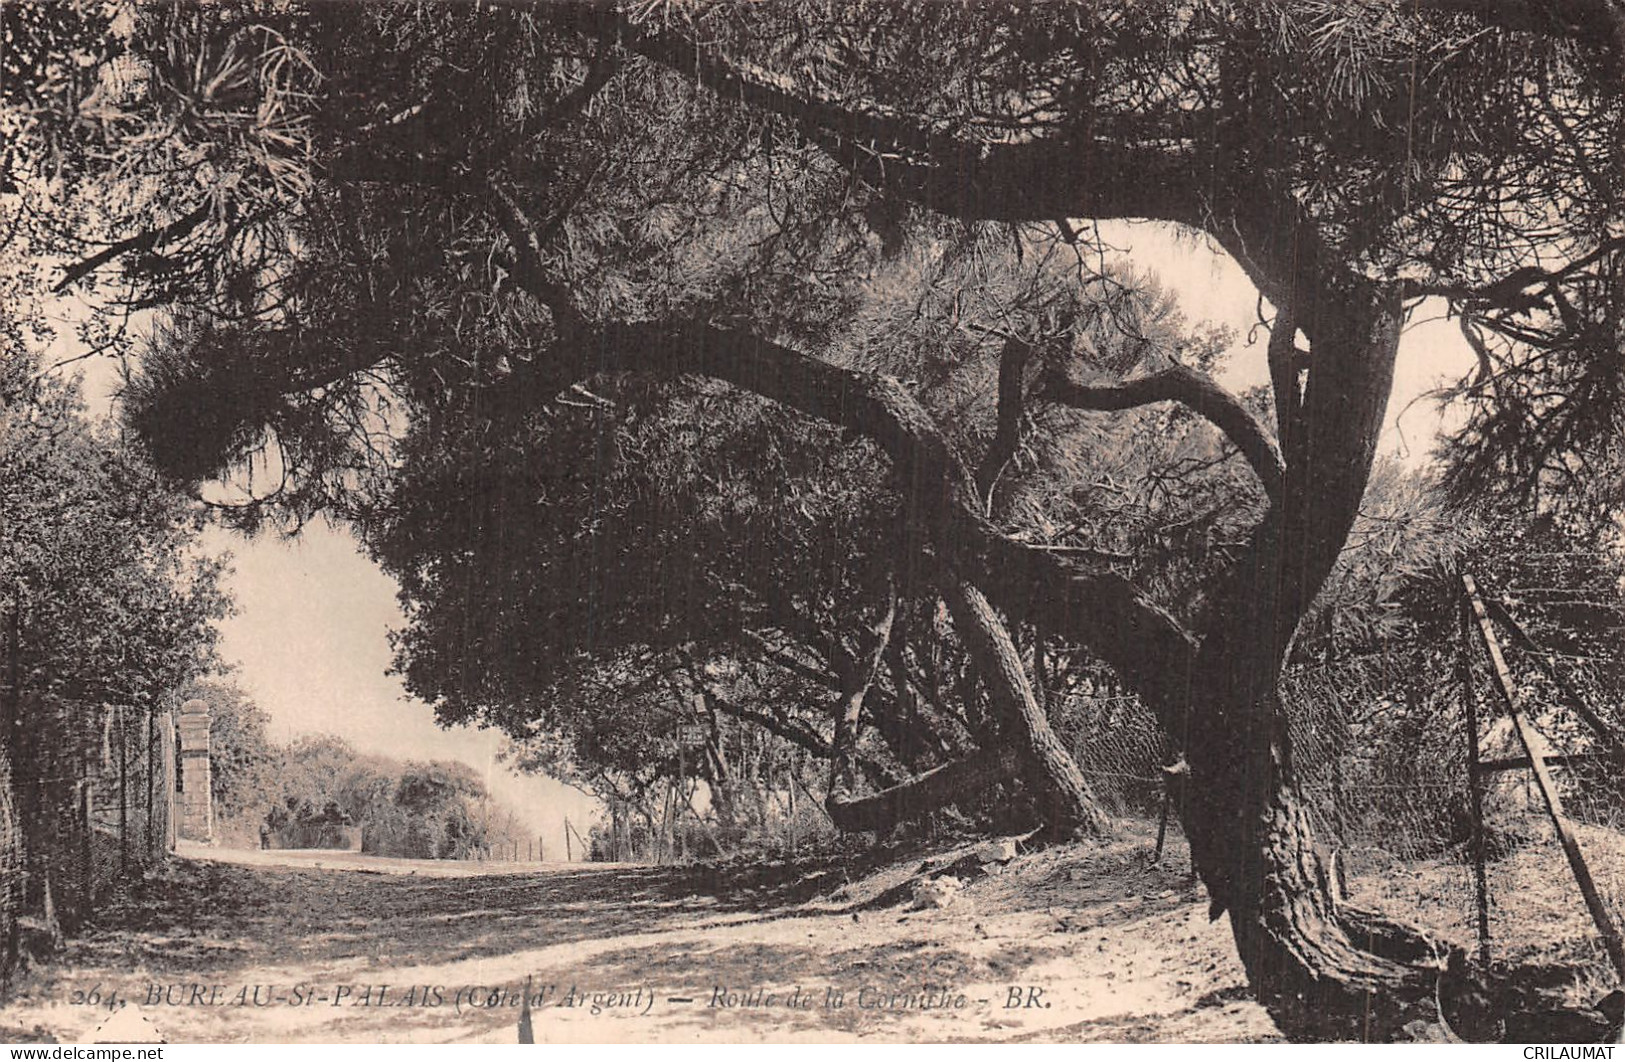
{"points": [[672, 521]]}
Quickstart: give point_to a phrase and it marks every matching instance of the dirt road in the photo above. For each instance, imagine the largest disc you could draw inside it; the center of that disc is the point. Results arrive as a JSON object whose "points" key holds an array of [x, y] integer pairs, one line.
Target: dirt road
{"points": [[1067, 944]]}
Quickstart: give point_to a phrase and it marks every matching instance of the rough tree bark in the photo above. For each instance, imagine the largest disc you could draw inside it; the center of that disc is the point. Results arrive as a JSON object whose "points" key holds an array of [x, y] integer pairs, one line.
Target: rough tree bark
{"points": [[933, 789], [1067, 805]]}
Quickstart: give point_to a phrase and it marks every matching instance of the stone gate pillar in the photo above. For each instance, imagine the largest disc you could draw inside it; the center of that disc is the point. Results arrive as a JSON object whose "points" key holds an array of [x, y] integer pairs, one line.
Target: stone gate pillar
{"points": [[196, 808]]}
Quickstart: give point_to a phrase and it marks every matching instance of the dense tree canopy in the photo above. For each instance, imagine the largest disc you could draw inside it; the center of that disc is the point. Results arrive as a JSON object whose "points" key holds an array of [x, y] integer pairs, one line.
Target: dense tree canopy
{"points": [[401, 247], [106, 595], [641, 533]]}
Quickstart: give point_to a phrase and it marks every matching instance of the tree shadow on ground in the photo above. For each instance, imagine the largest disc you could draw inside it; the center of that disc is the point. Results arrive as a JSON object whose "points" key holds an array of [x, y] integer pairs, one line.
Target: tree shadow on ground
{"points": [[225, 917]]}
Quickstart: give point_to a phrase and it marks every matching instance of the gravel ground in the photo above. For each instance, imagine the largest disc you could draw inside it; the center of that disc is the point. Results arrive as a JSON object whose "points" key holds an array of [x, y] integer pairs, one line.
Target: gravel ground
{"points": [[1077, 943]]}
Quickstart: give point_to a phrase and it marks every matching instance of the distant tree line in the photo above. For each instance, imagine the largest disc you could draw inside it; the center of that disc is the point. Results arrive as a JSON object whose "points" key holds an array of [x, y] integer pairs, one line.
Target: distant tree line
{"points": [[437, 809]]}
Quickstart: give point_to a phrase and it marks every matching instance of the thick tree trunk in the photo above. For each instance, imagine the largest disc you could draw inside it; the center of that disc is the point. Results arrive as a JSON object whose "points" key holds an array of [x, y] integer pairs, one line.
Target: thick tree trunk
{"points": [[1325, 971], [1026, 747], [936, 788], [1065, 802]]}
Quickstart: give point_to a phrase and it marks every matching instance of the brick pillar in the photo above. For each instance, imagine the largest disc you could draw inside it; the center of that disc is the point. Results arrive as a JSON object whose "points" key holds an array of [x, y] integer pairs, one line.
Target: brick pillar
{"points": [[196, 808]]}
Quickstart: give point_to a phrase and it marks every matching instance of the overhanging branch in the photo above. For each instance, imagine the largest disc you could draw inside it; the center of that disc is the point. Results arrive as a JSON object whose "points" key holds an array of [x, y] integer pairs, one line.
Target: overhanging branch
{"points": [[1032, 180], [1140, 639], [1199, 392], [144, 242], [1146, 645], [796, 735], [1522, 289]]}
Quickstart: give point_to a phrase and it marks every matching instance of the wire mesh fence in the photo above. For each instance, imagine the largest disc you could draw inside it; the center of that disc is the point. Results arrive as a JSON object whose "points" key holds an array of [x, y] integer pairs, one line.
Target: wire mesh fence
{"points": [[1119, 747], [1381, 753]]}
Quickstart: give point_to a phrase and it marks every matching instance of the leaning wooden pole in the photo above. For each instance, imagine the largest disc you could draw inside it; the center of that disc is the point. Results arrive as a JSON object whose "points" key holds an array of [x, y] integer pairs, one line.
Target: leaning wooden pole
{"points": [[1475, 785], [1611, 940], [1606, 735]]}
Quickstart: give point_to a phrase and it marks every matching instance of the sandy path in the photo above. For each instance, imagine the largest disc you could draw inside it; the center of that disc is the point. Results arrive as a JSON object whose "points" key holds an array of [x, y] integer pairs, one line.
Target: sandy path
{"points": [[266, 947]]}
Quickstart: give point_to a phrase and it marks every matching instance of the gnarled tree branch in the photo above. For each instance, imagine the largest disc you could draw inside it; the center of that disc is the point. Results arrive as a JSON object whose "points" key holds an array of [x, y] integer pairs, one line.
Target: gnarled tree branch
{"points": [[1180, 383], [145, 241], [1031, 180], [1102, 610], [796, 735], [1012, 407]]}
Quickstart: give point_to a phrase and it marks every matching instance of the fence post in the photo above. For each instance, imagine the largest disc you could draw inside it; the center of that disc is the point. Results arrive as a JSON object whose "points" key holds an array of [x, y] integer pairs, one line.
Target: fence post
{"points": [[1611, 940], [123, 791], [1162, 823], [1475, 785], [87, 852]]}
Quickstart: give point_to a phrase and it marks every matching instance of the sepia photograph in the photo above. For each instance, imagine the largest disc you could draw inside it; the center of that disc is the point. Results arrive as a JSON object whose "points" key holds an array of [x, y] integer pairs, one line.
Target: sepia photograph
{"points": [[812, 521]]}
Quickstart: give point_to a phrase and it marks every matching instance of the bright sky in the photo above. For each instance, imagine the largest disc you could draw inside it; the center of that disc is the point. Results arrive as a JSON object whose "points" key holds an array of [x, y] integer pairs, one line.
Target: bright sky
{"points": [[1212, 287], [310, 638], [310, 644]]}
